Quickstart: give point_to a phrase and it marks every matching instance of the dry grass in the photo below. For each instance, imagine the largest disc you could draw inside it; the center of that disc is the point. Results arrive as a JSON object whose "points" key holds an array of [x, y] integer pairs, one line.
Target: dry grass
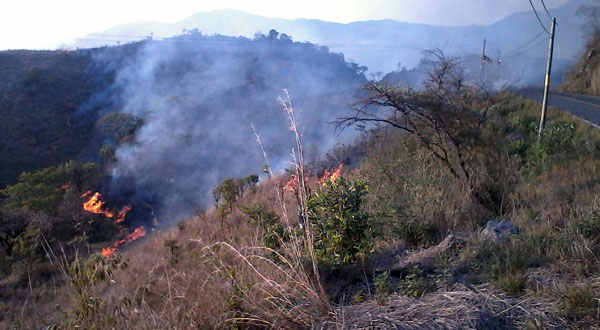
{"points": [[218, 276], [214, 273], [566, 191], [460, 308]]}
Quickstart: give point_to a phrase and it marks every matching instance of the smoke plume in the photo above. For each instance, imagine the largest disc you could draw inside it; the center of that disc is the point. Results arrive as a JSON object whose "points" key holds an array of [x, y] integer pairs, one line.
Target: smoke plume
{"points": [[198, 97]]}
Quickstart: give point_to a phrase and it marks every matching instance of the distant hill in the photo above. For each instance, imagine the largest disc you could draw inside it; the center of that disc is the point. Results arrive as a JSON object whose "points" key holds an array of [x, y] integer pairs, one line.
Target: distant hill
{"points": [[382, 45]]}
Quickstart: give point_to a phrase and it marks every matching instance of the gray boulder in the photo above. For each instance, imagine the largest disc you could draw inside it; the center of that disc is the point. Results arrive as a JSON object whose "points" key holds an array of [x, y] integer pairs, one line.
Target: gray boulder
{"points": [[498, 232]]}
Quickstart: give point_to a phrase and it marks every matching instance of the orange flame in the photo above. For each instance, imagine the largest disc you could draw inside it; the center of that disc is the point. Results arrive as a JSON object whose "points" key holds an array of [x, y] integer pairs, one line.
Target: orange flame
{"points": [[137, 233], [337, 173], [292, 184], [331, 176], [65, 186], [109, 251], [94, 205], [121, 215]]}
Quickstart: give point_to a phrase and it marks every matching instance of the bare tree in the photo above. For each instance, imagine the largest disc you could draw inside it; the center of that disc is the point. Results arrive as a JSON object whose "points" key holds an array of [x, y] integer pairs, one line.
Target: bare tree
{"points": [[445, 117]]}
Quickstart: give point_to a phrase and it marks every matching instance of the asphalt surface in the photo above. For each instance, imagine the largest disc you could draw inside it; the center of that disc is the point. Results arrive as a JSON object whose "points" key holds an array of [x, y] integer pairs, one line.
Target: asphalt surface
{"points": [[583, 106]]}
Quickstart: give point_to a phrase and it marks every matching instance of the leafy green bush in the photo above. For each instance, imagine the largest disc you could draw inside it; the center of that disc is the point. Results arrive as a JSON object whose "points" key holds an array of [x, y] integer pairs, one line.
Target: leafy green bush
{"points": [[230, 190], [416, 283], [263, 217], [511, 280], [556, 139], [341, 228], [44, 190], [504, 266], [383, 286], [260, 214], [588, 226], [274, 236]]}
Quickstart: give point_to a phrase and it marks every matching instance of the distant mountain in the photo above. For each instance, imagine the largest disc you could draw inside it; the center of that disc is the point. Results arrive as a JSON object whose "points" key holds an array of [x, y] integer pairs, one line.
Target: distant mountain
{"points": [[379, 45]]}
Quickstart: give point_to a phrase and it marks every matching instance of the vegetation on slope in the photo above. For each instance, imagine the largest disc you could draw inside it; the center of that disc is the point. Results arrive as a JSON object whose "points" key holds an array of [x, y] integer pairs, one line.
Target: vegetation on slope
{"points": [[584, 77], [305, 251], [39, 96], [451, 212], [70, 101]]}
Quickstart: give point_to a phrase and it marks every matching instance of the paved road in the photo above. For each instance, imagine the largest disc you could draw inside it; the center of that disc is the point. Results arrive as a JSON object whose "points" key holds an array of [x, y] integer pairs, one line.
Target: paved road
{"points": [[583, 106]]}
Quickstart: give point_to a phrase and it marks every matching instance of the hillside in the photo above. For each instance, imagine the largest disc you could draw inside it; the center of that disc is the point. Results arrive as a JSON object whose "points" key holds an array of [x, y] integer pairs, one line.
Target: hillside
{"points": [[584, 77], [502, 234], [53, 100], [199, 97], [216, 182], [116, 142], [39, 96]]}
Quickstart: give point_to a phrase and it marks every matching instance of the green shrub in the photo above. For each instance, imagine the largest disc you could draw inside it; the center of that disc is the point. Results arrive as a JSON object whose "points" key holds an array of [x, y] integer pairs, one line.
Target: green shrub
{"points": [[509, 268], [383, 286], [358, 297], [341, 228], [119, 125], [108, 153], [44, 190], [230, 190], [556, 140], [260, 214], [504, 266], [274, 236], [416, 283], [588, 226]]}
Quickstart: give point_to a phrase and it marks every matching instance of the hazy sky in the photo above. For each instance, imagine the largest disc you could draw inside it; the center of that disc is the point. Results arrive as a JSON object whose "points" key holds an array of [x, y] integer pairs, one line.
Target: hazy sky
{"points": [[48, 23]]}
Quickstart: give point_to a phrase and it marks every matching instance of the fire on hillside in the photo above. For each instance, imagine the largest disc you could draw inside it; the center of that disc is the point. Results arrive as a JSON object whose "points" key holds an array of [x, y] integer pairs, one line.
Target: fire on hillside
{"points": [[96, 205], [331, 176], [137, 233]]}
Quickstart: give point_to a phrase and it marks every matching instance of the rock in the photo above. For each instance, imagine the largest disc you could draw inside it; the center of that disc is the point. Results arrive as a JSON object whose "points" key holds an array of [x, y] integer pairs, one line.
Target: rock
{"points": [[498, 232]]}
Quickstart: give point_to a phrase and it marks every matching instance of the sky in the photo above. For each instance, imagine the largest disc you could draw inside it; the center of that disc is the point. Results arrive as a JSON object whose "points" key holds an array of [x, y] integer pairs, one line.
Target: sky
{"points": [[46, 24]]}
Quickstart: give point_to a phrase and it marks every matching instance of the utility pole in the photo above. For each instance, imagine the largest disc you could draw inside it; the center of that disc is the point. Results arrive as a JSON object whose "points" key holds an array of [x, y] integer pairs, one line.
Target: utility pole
{"points": [[482, 66], [547, 84]]}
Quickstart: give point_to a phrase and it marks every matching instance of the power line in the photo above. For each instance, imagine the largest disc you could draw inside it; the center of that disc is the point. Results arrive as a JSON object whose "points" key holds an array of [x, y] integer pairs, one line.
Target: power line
{"points": [[538, 17], [525, 44], [546, 9], [525, 51], [516, 51]]}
